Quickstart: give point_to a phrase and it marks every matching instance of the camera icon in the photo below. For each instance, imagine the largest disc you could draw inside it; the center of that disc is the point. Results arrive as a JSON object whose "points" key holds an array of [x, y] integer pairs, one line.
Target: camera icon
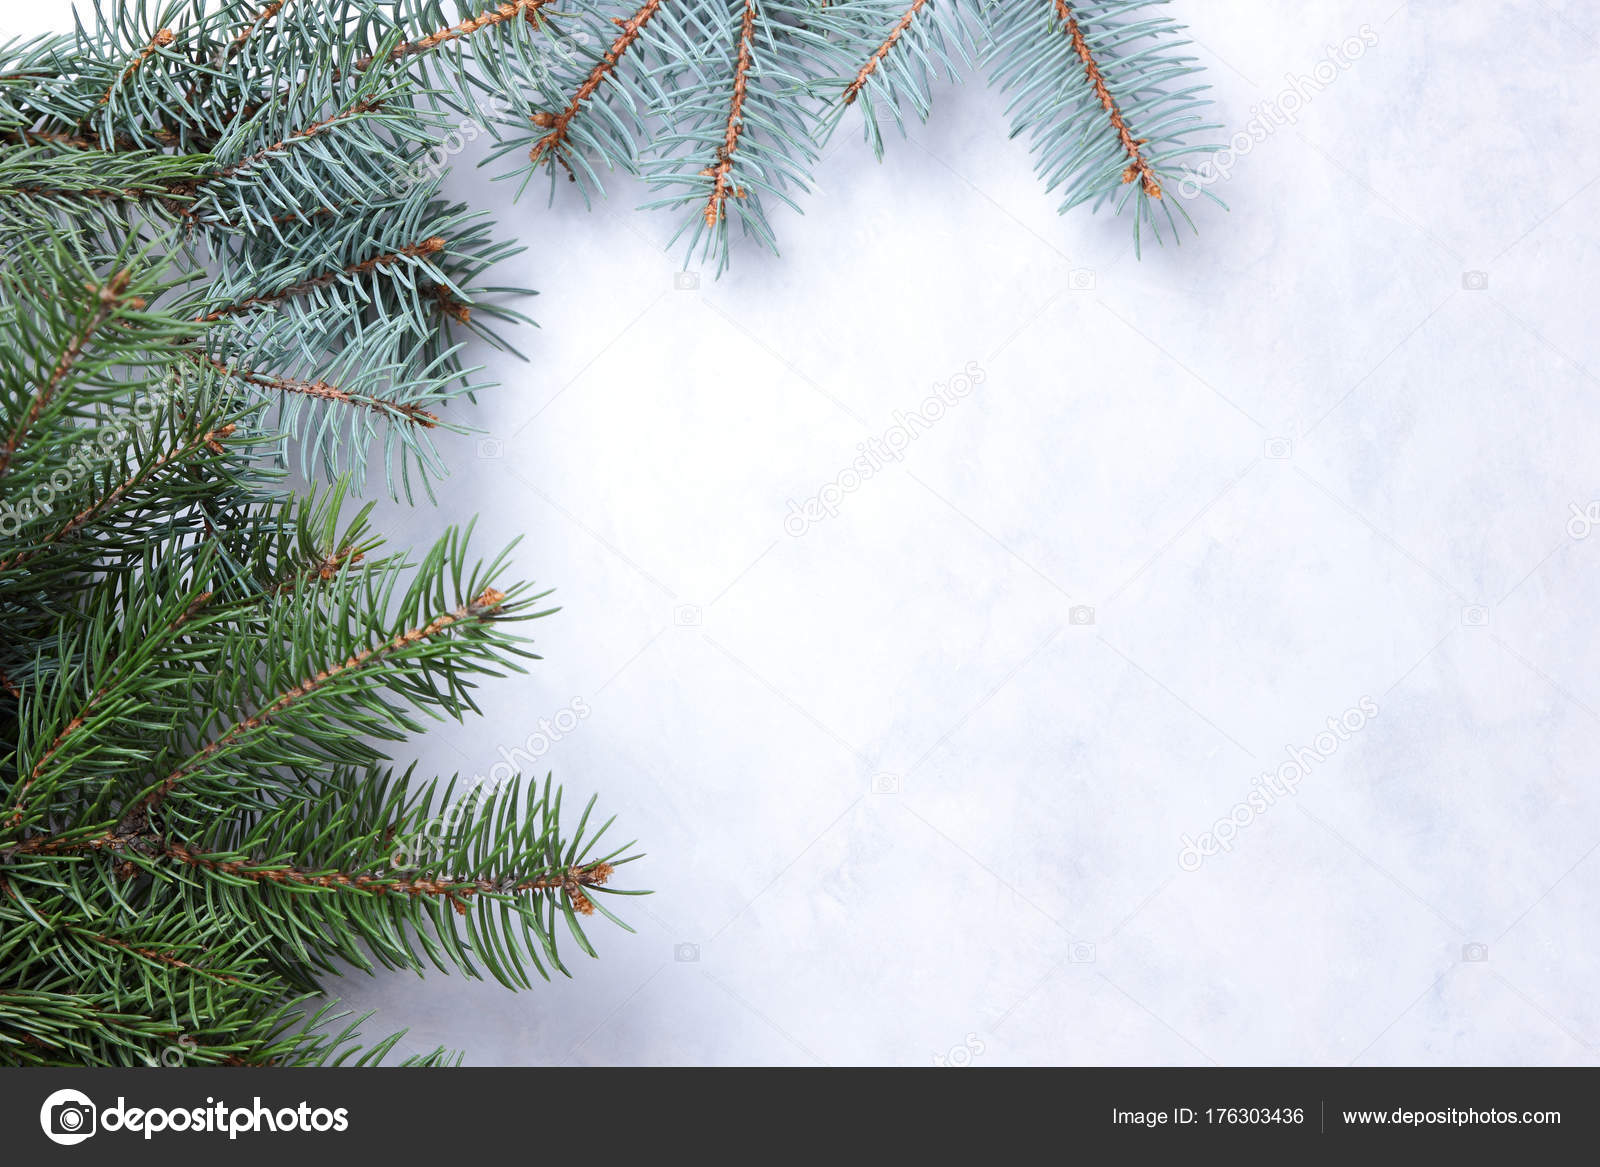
{"points": [[1277, 449], [686, 953], [67, 1117], [686, 281], [886, 784], [491, 448], [1475, 281], [1080, 614], [72, 1118], [1080, 279], [687, 616], [1474, 953], [1475, 616], [1081, 952]]}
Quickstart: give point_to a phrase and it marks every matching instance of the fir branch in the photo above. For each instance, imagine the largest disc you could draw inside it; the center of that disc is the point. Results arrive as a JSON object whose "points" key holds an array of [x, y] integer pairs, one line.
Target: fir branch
{"points": [[853, 90], [203, 439], [1138, 166], [485, 19], [572, 881], [27, 137], [109, 299], [322, 126], [412, 414], [722, 186], [44, 186], [61, 1017], [325, 569], [481, 608], [739, 102], [154, 955], [161, 40], [559, 124], [80, 719], [249, 29], [429, 246], [163, 614], [240, 40], [1092, 85]]}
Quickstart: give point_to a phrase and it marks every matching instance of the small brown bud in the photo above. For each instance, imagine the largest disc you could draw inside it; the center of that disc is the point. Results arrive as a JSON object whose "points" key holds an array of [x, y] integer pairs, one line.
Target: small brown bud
{"points": [[488, 600]]}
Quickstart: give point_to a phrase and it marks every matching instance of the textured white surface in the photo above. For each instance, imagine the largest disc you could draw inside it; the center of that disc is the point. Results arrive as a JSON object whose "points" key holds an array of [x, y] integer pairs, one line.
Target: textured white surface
{"points": [[1021, 891]]}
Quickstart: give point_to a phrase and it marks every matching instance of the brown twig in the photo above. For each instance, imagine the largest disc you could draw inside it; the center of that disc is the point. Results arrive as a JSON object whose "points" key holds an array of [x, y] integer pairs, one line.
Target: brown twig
{"points": [[249, 30], [143, 842], [558, 124], [108, 193], [110, 298], [573, 880], [26, 137], [318, 127], [1138, 166], [242, 38], [325, 568], [482, 607], [211, 440], [161, 40], [429, 246], [722, 169], [29, 137], [112, 840], [485, 19], [152, 954], [301, 216], [414, 414], [448, 304], [853, 90], [81, 717]]}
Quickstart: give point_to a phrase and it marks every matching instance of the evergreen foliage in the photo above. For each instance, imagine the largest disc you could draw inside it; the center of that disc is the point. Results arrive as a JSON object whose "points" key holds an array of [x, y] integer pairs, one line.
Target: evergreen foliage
{"points": [[226, 252]]}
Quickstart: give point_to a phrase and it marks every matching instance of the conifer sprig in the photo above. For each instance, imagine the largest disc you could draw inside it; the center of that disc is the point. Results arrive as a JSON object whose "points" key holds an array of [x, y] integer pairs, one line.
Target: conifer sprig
{"points": [[227, 252], [197, 817]]}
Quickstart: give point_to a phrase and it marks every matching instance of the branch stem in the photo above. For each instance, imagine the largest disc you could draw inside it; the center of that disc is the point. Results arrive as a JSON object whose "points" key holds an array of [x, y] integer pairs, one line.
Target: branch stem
{"points": [[1138, 166]]}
